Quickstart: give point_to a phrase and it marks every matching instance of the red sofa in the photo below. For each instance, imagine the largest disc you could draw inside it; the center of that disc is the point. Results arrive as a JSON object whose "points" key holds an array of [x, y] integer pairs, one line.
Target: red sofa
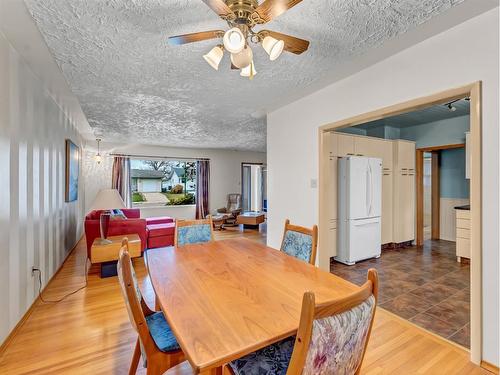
{"points": [[154, 232], [133, 224]]}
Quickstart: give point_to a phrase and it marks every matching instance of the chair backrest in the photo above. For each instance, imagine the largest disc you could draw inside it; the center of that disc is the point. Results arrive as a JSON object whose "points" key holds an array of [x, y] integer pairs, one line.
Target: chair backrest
{"points": [[193, 231], [300, 242], [136, 307], [333, 336], [233, 202]]}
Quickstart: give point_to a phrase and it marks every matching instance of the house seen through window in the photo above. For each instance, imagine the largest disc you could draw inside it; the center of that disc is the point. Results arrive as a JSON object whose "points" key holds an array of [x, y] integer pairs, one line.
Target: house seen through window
{"points": [[162, 182]]}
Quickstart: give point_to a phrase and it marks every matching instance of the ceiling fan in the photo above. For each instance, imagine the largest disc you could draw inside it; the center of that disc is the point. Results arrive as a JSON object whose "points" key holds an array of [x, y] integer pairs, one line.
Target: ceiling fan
{"points": [[242, 16]]}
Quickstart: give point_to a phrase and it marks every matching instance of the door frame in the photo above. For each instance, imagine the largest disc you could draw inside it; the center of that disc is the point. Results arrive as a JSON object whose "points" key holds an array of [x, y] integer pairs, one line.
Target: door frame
{"points": [[474, 91], [419, 159]]}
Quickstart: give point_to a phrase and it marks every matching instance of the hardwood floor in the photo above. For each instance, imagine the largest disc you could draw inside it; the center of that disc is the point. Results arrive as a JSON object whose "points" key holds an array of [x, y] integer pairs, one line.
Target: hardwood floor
{"points": [[89, 332]]}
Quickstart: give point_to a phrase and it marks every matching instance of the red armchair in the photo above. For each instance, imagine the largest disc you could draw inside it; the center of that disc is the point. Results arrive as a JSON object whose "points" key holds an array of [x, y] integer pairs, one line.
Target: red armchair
{"points": [[133, 224]]}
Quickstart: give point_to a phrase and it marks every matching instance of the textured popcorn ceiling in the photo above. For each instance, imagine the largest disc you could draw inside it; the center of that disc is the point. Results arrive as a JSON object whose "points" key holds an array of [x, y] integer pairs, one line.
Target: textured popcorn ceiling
{"points": [[134, 87]]}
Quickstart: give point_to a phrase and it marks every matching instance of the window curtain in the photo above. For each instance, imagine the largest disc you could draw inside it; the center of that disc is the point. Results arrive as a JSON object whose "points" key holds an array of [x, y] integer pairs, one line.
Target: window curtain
{"points": [[121, 179], [202, 188]]}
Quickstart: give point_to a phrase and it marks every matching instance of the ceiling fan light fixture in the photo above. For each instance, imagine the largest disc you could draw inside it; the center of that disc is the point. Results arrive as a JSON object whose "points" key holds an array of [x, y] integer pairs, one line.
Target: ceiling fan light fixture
{"points": [[249, 71], [214, 57], [273, 47], [242, 59], [234, 40]]}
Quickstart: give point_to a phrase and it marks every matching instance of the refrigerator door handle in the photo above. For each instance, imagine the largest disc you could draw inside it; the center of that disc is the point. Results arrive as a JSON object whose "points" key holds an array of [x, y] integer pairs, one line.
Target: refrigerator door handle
{"points": [[371, 188]]}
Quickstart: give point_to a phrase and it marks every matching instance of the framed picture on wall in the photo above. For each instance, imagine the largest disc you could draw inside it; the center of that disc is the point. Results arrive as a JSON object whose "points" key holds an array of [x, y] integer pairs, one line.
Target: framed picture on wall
{"points": [[72, 171]]}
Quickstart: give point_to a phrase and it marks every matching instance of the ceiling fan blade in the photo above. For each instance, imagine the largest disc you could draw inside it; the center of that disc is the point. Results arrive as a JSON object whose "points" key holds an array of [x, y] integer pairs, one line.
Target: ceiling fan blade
{"points": [[292, 44], [221, 8], [271, 9], [195, 37]]}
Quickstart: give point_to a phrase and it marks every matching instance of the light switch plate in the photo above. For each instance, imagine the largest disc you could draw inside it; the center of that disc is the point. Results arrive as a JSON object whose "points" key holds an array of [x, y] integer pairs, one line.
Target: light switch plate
{"points": [[314, 183]]}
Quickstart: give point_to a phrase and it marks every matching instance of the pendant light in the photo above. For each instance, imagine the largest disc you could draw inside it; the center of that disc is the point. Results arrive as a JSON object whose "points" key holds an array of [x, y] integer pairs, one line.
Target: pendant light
{"points": [[214, 57], [273, 47], [234, 40], [98, 157]]}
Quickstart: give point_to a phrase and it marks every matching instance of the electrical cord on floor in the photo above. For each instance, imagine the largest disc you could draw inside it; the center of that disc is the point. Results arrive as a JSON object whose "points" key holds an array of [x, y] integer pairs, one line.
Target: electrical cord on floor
{"points": [[67, 295]]}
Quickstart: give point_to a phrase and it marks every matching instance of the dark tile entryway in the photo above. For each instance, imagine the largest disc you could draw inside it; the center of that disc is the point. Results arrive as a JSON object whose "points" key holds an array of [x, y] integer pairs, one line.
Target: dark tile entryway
{"points": [[424, 285]]}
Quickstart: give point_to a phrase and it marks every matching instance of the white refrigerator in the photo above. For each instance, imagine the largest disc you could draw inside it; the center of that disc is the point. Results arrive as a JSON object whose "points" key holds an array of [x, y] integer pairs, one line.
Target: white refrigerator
{"points": [[359, 209]]}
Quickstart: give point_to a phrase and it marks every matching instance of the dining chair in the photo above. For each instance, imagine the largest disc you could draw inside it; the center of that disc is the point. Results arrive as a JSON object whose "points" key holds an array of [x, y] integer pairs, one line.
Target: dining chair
{"points": [[300, 242], [193, 231], [156, 342], [331, 339]]}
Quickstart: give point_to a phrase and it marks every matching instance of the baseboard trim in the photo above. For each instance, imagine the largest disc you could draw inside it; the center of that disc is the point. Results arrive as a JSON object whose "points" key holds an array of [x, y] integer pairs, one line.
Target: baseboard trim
{"points": [[489, 367], [28, 312]]}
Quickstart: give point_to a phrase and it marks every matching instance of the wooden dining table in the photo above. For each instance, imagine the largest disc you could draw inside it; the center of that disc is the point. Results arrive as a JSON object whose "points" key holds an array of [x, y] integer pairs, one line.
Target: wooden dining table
{"points": [[226, 299]]}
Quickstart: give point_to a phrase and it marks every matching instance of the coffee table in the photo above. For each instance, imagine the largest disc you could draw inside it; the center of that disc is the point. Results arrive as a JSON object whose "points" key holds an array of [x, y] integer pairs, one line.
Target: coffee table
{"points": [[107, 253], [251, 219]]}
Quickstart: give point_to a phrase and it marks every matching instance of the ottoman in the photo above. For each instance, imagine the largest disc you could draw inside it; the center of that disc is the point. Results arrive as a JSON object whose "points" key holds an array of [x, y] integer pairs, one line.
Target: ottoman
{"points": [[160, 235]]}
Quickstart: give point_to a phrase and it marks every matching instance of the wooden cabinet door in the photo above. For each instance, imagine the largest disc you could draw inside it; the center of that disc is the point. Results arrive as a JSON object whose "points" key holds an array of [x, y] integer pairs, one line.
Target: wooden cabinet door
{"points": [[332, 239], [406, 155], [332, 143], [387, 204], [408, 207], [332, 188], [328, 247], [345, 145]]}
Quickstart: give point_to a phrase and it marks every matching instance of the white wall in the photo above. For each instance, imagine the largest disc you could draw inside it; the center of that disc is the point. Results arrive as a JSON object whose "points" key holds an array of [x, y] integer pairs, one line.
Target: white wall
{"points": [[37, 227], [225, 173], [466, 53]]}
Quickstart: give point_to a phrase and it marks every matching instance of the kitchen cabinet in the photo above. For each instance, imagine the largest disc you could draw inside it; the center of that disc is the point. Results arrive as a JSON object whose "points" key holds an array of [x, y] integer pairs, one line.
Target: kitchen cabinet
{"points": [[463, 234], [332, 188], [404, 191], [398, 187], [345, 145], [467, 155]]}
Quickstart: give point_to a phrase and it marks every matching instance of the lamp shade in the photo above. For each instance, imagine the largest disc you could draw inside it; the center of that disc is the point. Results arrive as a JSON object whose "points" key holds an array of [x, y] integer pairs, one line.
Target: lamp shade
{"points": [[107, 199], [214, 57], [273, 47], [242, 59], [234, 40], [248, 71]]}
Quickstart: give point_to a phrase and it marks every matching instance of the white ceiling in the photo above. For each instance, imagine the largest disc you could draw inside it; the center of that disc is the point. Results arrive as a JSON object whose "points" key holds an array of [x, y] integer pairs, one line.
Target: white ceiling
{"points": [[134, 87]]}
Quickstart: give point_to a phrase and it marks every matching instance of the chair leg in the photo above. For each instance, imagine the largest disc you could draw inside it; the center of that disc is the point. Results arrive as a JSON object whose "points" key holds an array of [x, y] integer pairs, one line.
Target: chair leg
{"points": [[135, 358]]}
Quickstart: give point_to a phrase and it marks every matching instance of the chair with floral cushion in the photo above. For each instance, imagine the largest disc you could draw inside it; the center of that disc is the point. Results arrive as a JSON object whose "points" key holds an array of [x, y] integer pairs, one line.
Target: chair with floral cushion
{"points": [[156, 341], [193, 231], [331, 339], [300, 242]]}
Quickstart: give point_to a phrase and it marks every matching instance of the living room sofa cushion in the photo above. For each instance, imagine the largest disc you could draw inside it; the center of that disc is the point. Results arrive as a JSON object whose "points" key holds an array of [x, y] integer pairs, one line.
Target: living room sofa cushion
{"points": [[159, 220], [157, 230]]}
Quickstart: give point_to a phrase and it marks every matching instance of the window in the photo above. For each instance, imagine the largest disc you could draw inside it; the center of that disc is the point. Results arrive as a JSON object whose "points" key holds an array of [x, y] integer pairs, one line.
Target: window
{"points": [[162, 182]]}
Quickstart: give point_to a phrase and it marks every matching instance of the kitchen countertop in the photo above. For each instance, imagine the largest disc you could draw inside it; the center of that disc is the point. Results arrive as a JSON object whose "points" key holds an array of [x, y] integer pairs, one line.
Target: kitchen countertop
{"points": [[466, 207]]}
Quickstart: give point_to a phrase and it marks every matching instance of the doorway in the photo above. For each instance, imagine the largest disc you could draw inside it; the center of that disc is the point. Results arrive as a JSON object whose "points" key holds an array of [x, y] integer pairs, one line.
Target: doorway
{"points": [[428, 181], [473, 92]]}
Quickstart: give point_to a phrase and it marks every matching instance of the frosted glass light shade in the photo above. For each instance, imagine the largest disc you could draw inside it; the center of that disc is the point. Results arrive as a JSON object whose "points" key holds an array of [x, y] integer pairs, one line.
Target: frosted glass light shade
{"points": [[248, 71], [273, 47], [234, 40], [214, 57], [242, 59], [107, 199]]}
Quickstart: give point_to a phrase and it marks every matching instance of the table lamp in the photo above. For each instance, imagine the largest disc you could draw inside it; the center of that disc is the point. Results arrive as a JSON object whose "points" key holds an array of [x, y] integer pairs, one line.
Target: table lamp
{"points": [[106, 200]]}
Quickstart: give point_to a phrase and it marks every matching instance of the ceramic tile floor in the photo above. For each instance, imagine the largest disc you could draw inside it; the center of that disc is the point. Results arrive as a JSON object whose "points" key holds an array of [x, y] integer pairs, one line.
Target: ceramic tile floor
{"points": [[424, 285]]}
